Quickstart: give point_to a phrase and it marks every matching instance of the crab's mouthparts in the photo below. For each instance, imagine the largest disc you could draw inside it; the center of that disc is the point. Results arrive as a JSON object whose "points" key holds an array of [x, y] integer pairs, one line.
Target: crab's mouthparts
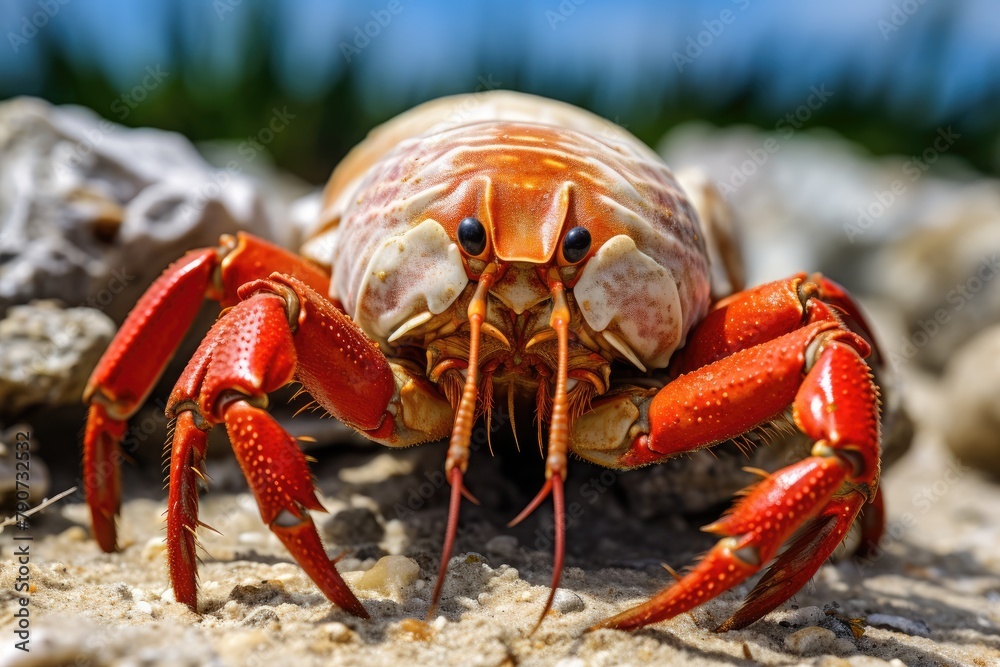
{"points": [[558, 441]]}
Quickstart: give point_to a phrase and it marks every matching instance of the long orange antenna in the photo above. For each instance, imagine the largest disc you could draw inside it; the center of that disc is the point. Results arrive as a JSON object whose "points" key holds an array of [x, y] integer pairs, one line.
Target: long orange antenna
{"points": [[458, 449], [555, 461]]}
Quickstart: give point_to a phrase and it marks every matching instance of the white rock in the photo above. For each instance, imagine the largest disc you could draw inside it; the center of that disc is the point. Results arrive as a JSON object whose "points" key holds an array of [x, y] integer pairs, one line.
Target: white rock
{"points": [[810, 640], [389, 577], [970, 416], [47, 353], [899, 624], [93, 211], [566, 601]]}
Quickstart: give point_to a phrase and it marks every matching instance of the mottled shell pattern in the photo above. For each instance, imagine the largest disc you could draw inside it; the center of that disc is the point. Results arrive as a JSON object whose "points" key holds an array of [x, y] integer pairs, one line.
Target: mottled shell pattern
{"points": [[530, 170]]}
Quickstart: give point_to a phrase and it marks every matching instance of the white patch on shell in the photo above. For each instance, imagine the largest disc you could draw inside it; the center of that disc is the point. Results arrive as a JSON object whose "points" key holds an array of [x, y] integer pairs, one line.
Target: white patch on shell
{"points": [[623, 290], [421, 270]]}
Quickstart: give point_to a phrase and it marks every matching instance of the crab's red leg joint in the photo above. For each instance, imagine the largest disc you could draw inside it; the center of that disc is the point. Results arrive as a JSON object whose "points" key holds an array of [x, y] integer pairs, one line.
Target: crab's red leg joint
{"points": [[278, 475], [127, 372], [764, 313], [148, 339], [101, 477], [836, 404], [276, 334]]}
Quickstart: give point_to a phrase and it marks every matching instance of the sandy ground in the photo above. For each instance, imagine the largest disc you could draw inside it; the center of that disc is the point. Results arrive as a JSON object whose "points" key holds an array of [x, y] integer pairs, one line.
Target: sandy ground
{"points": [[931, 597]]}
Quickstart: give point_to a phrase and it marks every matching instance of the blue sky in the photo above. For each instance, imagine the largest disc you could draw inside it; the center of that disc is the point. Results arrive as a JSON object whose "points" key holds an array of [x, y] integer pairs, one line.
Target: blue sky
{"points": [[941, 63]]}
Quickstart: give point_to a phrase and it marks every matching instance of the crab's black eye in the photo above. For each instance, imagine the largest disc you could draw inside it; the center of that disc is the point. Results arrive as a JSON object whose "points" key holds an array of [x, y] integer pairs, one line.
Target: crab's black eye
{"points": [[472, 236], [576, 245]]}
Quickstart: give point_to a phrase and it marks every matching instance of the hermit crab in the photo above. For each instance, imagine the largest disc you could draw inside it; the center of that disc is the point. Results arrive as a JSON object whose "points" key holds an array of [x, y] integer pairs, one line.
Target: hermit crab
{"points": [[503, 247]]}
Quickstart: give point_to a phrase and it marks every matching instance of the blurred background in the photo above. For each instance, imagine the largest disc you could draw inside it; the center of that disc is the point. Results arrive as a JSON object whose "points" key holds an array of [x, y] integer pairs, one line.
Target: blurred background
{"points": [[897, 69]]}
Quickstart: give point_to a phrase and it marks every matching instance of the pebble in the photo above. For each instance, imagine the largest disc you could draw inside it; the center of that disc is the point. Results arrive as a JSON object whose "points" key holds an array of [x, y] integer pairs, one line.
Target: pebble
{"points": [[124, 592], [263, 617], [46, 355], [144, 607], [254, 594], [969, 415], [810, 640], [390, 576], [899, 624], [379, 469], [74, 534], [338, 632], [566, 602], [251, 537], [154, 548]]}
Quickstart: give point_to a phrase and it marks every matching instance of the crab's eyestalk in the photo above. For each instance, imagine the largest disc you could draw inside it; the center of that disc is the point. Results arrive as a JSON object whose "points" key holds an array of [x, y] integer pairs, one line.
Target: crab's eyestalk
{"points": [[465, 414]]}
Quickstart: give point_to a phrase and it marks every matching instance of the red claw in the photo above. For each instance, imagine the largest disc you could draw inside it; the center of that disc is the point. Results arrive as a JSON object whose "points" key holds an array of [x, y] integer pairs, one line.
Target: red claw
{"points": [[730, 391]]}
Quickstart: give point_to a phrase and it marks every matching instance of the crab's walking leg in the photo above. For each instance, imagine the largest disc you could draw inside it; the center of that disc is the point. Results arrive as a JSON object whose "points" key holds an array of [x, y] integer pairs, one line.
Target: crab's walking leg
{"points": [[282, 331], [145, 343], [836, 404], [763, 313]]}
